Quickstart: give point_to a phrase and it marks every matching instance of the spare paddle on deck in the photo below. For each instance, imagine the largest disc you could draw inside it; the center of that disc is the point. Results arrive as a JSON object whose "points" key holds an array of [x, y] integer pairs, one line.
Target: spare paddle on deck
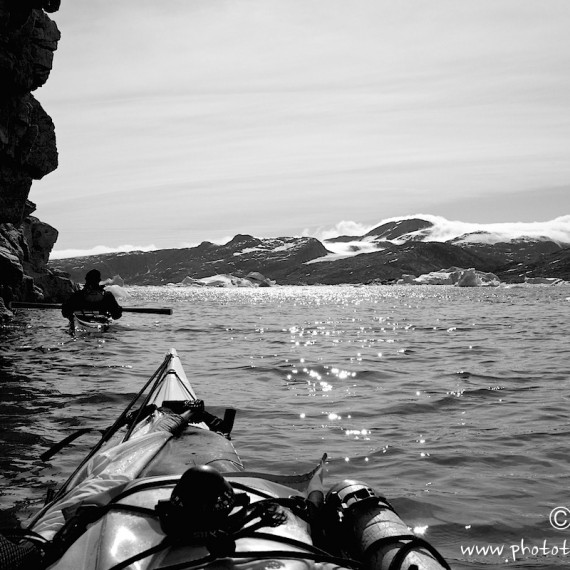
{"points": [[149, 310], [57, 447]]}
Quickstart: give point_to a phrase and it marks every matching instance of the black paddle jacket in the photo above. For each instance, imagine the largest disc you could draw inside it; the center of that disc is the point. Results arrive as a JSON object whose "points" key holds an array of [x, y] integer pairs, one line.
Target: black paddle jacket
{"points": [[89, 299]]}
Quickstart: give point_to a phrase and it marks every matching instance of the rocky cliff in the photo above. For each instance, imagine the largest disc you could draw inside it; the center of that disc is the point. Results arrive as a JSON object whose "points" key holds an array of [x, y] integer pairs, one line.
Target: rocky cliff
{"points": [[28, 39]]}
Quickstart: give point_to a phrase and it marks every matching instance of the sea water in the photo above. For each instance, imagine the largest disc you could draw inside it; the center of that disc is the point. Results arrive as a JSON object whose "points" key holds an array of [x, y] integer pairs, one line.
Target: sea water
{"points": [[453, 403]]}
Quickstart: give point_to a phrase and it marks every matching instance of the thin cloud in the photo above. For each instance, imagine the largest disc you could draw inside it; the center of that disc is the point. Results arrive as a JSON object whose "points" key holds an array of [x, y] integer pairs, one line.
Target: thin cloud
{"points": [[98, 250], [557, 230], [103, 249], [343, 228]]}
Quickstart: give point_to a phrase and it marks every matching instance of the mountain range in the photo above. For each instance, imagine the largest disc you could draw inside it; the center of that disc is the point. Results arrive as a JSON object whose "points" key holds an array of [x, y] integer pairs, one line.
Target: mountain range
{"points": [[405, 246]]}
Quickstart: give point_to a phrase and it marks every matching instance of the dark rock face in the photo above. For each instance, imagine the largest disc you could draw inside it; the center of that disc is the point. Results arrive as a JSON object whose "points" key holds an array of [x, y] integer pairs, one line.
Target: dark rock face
{"points": [[295, 261], [24, 252], [395, 230], [400, 228], [28, 39], [385, 266], [551, 265], [240, 256], [515, 251]]}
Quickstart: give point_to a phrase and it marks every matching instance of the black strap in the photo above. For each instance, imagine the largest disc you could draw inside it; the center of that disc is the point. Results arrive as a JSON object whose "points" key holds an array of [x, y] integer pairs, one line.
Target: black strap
{"points": [[266, 555], [144, 485], [309, 548], [146, 553], [414, 543], [222, 544], [133, 509], [83, 517], [411, 543], [23, 533], [265, 511]]}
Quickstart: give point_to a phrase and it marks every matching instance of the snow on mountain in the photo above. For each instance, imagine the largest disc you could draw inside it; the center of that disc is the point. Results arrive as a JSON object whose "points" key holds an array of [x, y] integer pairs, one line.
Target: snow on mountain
{"points": [[430, 228], [349, 238]]}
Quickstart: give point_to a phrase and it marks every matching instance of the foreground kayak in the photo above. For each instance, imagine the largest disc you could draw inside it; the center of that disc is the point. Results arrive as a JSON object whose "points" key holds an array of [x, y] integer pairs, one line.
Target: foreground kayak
{"points": [[165, 488]]}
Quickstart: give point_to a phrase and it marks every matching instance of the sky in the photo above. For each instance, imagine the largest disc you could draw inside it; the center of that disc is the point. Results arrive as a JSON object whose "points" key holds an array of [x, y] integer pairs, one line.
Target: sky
{"points": [[189, 120]]}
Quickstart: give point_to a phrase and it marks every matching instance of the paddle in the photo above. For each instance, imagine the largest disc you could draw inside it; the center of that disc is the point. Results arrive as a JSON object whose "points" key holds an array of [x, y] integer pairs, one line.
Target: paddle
{"points": [[56, 448], [109, 432], [149, 310]]}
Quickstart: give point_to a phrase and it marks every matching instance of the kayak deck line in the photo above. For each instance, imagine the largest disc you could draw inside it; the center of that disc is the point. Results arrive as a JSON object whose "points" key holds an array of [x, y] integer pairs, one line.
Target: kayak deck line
{"points": [[165, 489]]}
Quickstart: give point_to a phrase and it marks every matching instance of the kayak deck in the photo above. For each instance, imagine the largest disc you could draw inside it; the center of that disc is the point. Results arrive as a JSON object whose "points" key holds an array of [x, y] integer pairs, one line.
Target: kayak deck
{"points": [[129, 503]]}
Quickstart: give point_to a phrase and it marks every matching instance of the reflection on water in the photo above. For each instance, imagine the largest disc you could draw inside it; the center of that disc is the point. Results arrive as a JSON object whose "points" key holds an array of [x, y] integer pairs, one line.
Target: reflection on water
{"points": [[452, 402]]}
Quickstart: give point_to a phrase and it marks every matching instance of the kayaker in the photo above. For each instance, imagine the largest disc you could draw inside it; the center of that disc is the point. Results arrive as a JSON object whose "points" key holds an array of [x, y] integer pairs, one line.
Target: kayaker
{"points": [[92, 297]]}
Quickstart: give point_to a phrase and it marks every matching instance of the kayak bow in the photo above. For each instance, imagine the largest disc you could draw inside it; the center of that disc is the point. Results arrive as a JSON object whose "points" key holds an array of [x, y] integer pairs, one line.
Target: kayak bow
{"points": [[165, 488]]}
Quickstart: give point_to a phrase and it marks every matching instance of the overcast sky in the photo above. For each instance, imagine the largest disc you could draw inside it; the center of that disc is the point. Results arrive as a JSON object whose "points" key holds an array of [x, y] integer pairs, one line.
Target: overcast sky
{"points": [[180, 121]]}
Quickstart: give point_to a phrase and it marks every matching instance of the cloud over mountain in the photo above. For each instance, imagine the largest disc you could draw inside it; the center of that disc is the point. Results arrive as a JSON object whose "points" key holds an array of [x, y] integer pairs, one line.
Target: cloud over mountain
{"points": [[349, 238]]}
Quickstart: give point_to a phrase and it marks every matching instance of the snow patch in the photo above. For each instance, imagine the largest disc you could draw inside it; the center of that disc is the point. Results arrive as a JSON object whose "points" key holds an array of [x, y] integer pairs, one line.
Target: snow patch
{"points": [[557, 230]]}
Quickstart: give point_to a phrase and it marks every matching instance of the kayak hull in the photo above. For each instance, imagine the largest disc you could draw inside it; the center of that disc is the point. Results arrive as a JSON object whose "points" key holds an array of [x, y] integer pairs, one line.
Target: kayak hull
{"points": [[116, 536], [91, 321], [111, 511]]}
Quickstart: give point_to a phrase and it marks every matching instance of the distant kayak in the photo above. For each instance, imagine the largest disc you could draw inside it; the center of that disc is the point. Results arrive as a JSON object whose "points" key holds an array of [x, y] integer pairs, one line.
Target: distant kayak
{"points": [[91, 321]]}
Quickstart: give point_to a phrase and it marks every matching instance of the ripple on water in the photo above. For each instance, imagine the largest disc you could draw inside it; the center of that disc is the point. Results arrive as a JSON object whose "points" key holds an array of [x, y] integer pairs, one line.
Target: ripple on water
{"points": [[452, 402]]}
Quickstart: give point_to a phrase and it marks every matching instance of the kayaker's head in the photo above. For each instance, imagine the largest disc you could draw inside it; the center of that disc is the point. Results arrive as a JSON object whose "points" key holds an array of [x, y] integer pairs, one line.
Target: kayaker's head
{"points": [[93, 278]]}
